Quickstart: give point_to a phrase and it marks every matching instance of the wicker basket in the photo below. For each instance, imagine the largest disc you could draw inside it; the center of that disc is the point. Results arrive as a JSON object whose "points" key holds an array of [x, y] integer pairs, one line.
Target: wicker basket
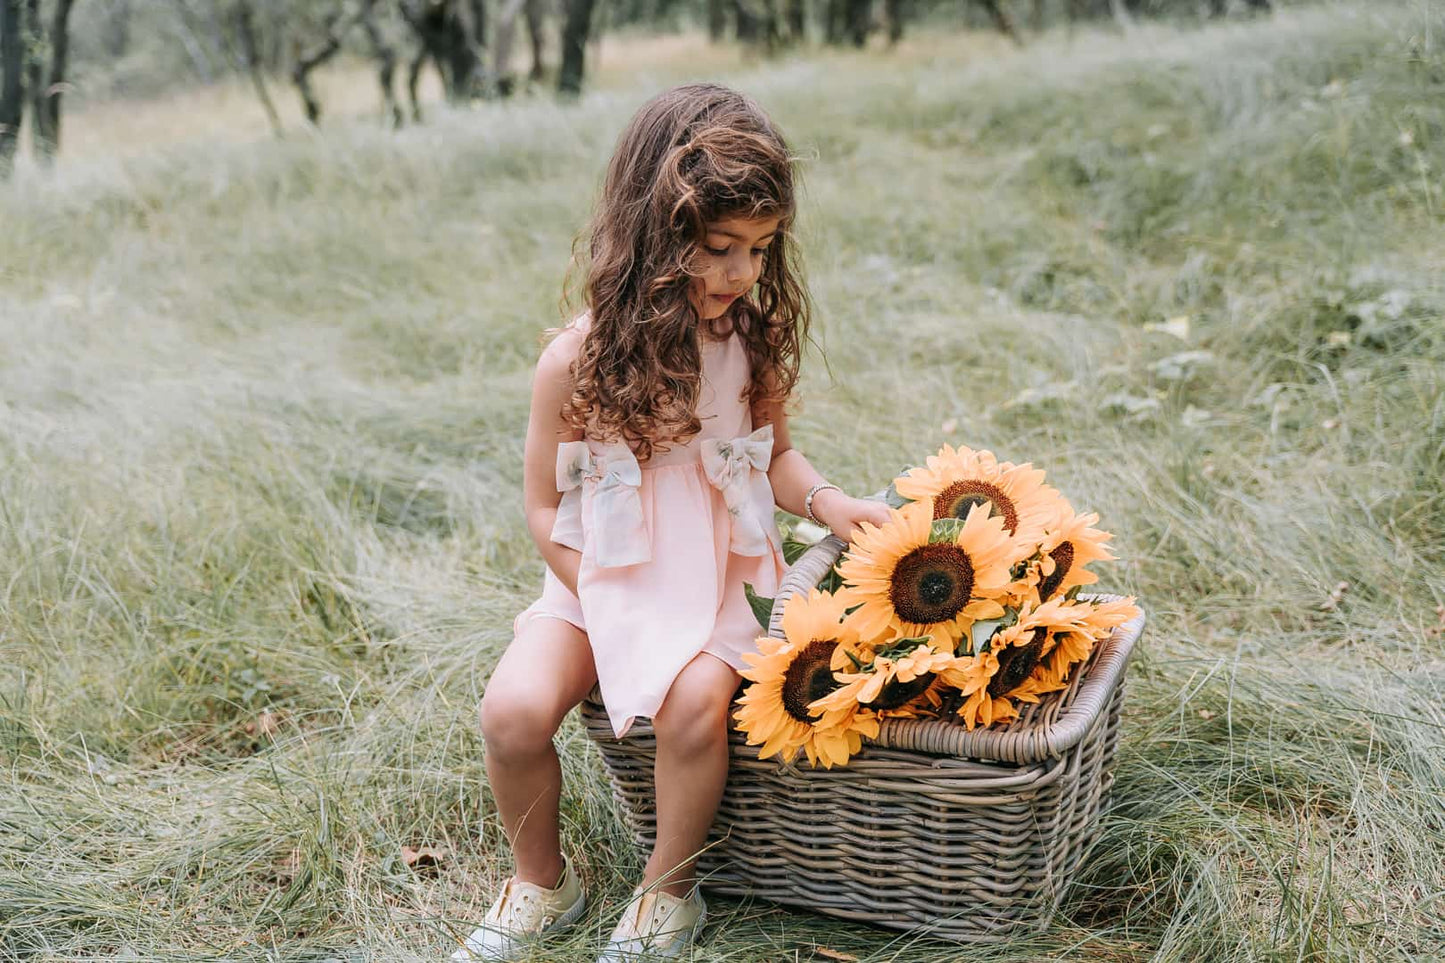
{"points": [[931, 828]]}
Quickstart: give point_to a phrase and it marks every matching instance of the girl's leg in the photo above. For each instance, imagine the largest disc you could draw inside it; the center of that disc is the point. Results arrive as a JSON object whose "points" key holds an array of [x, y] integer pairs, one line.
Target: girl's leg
{"points": [[546, 671], [691, 769]]}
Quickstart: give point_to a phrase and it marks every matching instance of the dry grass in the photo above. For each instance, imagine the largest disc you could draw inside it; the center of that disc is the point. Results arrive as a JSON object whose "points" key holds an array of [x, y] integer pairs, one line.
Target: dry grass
{"points": [[261, 416]]}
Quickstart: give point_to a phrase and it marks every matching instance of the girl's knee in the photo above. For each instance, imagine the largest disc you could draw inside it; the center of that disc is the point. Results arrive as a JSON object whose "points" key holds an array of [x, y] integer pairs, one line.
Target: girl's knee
{"points": [[515, 723], [695, 713]]}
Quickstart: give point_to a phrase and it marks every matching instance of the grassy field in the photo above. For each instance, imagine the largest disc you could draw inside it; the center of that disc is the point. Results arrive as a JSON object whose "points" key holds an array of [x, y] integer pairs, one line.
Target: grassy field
{"points": [[261, 414]]}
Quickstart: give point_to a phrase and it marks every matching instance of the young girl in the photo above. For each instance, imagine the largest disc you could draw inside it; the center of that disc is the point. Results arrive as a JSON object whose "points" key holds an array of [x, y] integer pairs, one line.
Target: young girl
{"points": [[656, 449]]}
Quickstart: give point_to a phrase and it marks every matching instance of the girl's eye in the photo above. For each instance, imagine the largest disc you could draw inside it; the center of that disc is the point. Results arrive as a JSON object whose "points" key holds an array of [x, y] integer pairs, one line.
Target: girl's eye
{"points": [[715, 251], [759, 251]]}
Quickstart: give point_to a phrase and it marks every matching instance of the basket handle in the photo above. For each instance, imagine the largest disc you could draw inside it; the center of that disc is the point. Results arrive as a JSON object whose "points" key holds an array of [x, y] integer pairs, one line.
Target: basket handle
{"points": [[949, 738]]}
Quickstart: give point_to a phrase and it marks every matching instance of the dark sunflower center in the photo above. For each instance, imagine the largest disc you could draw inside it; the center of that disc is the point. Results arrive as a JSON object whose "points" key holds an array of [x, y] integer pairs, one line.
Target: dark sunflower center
{"points": [[931, 584], [956, 500], [895, 694], [1015, 663], [809, 677], [1063, 557]]}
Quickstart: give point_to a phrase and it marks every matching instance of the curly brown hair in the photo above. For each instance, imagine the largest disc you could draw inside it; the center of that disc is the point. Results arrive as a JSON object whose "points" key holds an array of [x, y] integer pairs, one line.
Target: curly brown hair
{"points": [[692, 155]]}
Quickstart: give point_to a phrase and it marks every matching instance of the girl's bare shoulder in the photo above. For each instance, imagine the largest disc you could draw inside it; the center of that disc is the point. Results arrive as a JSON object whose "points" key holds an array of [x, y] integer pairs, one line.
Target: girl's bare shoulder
{"points": [[563, 347]]}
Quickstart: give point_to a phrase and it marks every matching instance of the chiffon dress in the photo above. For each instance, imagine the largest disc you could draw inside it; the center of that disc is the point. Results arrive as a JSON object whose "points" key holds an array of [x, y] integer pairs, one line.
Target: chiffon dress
{"points": [[667, 546]]}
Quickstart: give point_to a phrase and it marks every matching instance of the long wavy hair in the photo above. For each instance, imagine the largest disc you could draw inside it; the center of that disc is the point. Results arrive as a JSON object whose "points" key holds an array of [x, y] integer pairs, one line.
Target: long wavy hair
{"points": [[693, 154]]}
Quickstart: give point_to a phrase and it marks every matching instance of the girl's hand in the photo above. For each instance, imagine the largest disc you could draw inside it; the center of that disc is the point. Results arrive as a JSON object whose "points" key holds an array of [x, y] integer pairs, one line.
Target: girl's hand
{"points": [[842, 513]]}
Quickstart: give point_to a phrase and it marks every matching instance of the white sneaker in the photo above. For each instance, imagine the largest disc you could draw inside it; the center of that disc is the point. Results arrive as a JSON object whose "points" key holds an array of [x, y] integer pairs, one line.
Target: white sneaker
{"points": [[522, 913], [656, 924]]}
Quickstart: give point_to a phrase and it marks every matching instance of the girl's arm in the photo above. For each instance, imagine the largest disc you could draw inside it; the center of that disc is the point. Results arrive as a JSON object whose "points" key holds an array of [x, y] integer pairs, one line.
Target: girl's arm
{"points": [[792, 476], [551, 387]]}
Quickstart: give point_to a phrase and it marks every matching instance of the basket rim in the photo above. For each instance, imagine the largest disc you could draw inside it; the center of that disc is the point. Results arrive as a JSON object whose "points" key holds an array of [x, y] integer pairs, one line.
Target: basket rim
{"points": [[1091, 688]]}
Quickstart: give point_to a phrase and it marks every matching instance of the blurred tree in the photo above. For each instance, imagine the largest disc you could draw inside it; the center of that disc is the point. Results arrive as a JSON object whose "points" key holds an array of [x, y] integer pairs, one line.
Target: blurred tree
{"points": [[12, 82], [246, 29], [854, 20], [117, 28], [575, 29], [747, 21], [797, 15], [36, 57], [503, 81], [532, 11], [448, 38], [385, 56], [314, 56], [1219, 8], [858, 20]]}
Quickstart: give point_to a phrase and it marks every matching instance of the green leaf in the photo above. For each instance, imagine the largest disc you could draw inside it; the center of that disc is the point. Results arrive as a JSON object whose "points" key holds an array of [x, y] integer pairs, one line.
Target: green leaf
{"points": [[831, 582], [1073, 593], [793, 549], [762, 605], [892, 497], [983, 631], [901, 647], [945, 530]]}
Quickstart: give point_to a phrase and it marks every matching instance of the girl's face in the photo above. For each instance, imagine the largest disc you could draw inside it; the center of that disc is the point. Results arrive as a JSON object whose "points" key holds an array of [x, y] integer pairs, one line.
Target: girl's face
{"points": [[731, 260]]}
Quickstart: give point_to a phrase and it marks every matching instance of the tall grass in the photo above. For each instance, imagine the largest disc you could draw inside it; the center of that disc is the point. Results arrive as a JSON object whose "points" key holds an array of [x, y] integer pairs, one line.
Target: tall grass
{"points": [[261, 418]]}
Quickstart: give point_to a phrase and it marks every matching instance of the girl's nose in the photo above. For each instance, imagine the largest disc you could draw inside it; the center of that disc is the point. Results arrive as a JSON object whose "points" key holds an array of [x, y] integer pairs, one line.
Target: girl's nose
{"points": [[738, 269]]}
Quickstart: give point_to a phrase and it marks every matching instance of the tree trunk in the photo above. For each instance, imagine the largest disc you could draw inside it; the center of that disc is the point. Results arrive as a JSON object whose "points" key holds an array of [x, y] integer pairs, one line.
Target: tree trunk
{"points": [[772, 26], [797, 12], [12, 82], [35, 51], [533, 12], [502, 39], [749, 24], [835, 20], [385, 61], [247, 30], [117, 28], [717, 20], [413, 75], [48, 85], [603, 12], [311, 59], [894, 9], [859, 12], [446, 38], [1121, 14], [479, 24], [1002, 21], [574, 44]]}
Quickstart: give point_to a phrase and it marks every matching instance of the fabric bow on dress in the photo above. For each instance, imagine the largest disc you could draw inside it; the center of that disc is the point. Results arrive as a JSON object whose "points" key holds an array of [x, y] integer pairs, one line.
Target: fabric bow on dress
{"points": [[729, 466], [619, 536]]}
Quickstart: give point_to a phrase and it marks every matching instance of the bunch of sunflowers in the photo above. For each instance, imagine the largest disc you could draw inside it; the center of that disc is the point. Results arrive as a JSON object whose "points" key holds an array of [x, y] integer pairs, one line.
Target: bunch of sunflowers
{"points": [[964, 605]]}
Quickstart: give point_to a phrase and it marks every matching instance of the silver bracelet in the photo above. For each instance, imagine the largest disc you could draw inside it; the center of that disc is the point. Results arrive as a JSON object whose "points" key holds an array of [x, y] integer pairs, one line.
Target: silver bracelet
{"points": [[808, 500]]}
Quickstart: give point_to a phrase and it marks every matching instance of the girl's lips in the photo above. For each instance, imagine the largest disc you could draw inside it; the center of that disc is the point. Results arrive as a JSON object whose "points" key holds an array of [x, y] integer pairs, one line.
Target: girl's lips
{"points": [[725, 298]]}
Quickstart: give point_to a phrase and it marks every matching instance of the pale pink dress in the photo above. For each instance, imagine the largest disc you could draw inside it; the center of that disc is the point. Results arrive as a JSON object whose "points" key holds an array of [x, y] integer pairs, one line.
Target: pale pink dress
{"points": [[667, 546]]}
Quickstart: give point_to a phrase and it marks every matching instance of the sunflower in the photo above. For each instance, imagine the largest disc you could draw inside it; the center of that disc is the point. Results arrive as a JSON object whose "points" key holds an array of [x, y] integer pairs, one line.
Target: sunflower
{"points": [[971, 674], [1070, 543], [1093, 621], [955, 480], [789, 673], [890, 680], [1018, 653], [910, 580]]}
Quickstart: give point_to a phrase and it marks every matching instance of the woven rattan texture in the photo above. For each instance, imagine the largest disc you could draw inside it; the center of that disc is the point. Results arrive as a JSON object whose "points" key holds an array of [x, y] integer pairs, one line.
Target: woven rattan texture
{"points": [[966, 835]]}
